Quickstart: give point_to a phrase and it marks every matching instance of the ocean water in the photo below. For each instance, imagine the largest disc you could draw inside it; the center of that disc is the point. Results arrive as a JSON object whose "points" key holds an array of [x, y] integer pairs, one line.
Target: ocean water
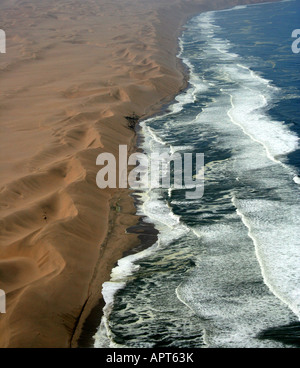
{"points": [[225, 271]]}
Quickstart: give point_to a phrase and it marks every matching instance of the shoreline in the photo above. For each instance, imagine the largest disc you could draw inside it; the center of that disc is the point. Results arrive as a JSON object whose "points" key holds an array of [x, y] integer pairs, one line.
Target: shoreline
{"points": [[93, 320], [86, 329], [61, 234], [145, 233]]}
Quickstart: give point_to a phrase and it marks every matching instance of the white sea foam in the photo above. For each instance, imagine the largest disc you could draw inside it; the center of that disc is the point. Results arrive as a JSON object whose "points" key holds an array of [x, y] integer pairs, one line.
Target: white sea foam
{"points": [[155, 136], [226, 290], [181, 148], [272, 135], [119, 277], [249, 99], [271, 224], [296, 179], [272, 228]]}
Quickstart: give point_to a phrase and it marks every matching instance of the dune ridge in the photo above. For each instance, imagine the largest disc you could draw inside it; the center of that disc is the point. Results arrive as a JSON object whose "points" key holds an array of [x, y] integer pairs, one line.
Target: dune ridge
{"points": [[72, 72]]}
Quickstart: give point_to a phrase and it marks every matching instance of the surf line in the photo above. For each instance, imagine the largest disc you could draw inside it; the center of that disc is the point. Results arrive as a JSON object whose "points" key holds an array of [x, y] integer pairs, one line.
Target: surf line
{"points": [[260, 259], [296, 178], [248, 134]]}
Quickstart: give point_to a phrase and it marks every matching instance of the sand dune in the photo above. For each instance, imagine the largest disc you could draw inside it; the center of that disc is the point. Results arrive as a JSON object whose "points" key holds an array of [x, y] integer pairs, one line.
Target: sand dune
{"points": [[72, 72]]}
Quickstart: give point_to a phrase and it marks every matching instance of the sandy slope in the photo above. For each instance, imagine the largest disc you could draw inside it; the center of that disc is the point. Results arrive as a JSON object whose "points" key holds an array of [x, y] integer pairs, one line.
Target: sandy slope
{"points": [[72, 71]]}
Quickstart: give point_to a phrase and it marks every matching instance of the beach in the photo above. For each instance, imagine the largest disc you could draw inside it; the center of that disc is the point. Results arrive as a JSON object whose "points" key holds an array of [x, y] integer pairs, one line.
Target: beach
{"points": [[73, 71]]}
